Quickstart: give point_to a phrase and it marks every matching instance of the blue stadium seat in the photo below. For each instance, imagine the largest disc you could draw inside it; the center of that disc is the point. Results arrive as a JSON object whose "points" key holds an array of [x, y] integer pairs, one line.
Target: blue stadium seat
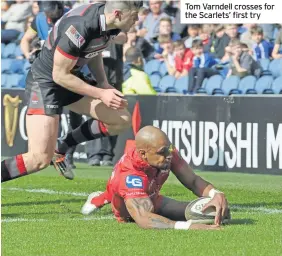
{"points": [[247, 84], [275, 67], [17, 66], [13, 80], [264, 64], [277, 85], [202, 90], [152, 66], [18, 52], [166, 81], [157, 89], [22, 81], [229, 84], [9, 51], [163, 69], [6, 65], [263, 84], [170, 90], [2, 49], [3, 80], [155, 80], [181, 85], [26, 66], [213, 83]]}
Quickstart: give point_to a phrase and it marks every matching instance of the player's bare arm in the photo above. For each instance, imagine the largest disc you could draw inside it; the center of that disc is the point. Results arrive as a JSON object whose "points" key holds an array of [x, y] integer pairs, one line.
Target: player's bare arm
{"points": [[199, 186], [141, 210], [96, 68], [25, 42], [62, 75]]}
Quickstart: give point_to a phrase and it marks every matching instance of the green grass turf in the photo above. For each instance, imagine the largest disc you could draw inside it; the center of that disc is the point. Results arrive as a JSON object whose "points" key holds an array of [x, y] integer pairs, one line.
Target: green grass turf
{"points": [[50, 224]]}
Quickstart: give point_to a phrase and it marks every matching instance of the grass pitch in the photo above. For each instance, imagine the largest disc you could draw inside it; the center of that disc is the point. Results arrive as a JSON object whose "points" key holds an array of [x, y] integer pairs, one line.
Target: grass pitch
{"points": [[41, 217]]}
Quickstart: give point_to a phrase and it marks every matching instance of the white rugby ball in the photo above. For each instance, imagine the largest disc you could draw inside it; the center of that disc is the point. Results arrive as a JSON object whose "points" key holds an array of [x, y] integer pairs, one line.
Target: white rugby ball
{"points": [[194, 212]]}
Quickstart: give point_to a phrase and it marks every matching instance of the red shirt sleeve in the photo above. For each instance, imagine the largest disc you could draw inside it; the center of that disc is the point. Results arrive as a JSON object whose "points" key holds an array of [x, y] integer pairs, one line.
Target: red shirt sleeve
{"points": [[188, 60], [133, 186]]}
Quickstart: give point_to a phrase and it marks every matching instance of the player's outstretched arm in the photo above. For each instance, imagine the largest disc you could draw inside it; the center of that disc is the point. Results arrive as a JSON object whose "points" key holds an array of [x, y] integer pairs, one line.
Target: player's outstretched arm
{"points": [[62, 75], [141, 210], [199, 186]]}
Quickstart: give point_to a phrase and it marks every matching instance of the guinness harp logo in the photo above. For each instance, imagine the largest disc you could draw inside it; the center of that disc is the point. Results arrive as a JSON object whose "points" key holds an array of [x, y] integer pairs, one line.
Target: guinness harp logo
{"points": [[11, 113]]}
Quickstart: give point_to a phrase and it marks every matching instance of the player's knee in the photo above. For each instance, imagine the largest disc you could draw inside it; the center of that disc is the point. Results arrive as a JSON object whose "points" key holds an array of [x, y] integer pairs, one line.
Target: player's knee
{"points": [[41, 161]]}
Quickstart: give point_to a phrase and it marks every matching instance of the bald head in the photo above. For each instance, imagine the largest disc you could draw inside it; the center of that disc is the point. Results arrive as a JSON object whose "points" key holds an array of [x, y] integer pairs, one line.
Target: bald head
{"points": [[150, 137]]}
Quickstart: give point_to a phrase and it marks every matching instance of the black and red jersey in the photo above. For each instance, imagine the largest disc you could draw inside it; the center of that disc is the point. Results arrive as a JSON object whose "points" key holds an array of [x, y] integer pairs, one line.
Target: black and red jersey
{"points": [[79, 35]]}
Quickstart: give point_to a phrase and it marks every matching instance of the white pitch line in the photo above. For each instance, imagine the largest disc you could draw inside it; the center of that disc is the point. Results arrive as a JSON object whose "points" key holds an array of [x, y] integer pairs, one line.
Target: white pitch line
{"points": [[108, 217], [47, 191], [260, 209], [22, 220]]}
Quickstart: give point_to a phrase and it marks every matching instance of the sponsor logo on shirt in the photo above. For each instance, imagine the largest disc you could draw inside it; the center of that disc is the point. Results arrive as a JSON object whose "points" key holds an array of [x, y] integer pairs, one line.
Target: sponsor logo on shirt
{"points": [[75, 36], [133, 181]]}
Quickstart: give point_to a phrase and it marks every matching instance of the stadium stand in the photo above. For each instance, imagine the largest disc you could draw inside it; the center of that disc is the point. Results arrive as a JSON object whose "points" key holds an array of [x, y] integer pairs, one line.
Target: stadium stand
{"points": [[155, 79], [13, 67], [263, 84], [277, 85], [166, 82], [247, 85], [181, 85], [229, 84]]}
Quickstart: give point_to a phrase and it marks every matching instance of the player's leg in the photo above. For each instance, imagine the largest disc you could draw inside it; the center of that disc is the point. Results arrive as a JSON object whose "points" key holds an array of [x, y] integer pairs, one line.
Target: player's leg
{"points": [[105, 122], [42, 133], [171, 209]]}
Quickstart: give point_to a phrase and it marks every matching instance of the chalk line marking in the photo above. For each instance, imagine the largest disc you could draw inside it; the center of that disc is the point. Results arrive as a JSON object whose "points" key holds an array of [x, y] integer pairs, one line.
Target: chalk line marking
{"points": [[260, 209]]}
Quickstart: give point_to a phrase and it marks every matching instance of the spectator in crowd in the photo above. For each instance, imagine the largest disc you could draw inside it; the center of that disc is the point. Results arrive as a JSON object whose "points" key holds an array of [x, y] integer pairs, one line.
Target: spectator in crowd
{"points": [[136, 81], [183, 58], [246, 36], [151, 24], [205, 35], [165, 29], [241, 62], [277, 50], [167, 54], [232, 32], [142, 14], [147, 50], [131, 40], [268, 31], [178, 27], [220, 42], [52, 11], [15, 18], [35, 8], [193, 34], [171, 7], [202, 66], [261, 48]]}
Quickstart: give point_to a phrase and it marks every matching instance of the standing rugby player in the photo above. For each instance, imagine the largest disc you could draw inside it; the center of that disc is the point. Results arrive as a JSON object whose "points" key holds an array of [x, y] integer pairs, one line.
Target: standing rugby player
{"points": [[54, 82]]}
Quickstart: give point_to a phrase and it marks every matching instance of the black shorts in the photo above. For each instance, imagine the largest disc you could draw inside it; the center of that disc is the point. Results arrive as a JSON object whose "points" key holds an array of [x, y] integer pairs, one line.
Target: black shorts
{"points": [[48, 98]]}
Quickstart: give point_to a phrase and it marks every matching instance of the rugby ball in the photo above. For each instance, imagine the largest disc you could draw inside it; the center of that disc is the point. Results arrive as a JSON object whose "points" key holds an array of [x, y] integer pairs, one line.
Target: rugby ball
{"points": [[194, 212]]}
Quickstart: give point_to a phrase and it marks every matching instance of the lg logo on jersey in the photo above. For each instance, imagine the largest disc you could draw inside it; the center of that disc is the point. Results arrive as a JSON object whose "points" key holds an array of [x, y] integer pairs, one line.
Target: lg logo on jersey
{"points": [[134, 182]]}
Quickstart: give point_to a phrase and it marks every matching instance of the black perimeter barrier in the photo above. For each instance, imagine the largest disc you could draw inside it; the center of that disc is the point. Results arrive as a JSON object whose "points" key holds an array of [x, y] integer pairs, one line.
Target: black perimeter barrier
{"points": [[238, 134]]}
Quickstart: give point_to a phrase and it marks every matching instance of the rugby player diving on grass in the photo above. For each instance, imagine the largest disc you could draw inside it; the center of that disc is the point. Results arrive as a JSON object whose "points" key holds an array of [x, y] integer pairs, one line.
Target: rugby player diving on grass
{"points": [[134, 187], [55, 81]]}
